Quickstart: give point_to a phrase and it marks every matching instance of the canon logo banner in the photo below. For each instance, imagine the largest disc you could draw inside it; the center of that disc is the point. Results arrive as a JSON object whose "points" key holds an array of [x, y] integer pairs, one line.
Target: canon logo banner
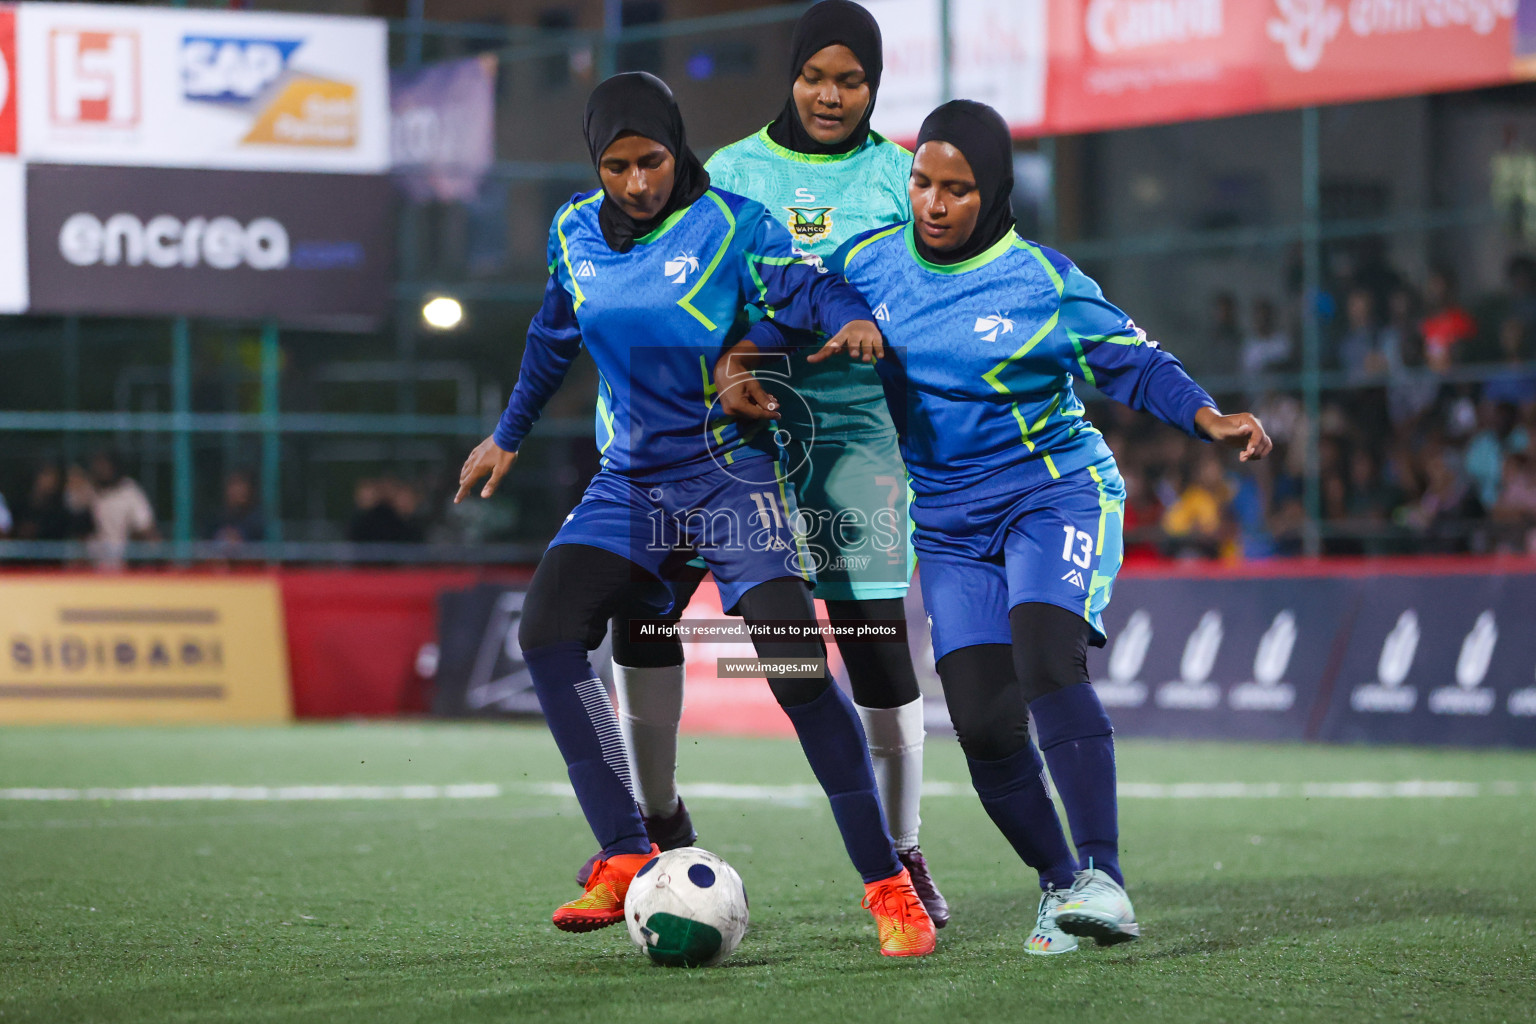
{"points": [[219, 242], [305, 249]]}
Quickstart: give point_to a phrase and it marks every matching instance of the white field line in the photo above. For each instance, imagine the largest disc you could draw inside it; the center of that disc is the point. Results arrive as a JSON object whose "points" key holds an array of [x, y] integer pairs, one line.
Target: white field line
{"points": [[794, 794]]}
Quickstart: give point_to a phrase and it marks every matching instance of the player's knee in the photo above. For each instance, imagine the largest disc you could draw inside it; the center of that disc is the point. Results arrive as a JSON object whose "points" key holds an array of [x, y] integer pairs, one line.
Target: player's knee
{"points": [[1050, 648], [990, 716], [793, 692]]}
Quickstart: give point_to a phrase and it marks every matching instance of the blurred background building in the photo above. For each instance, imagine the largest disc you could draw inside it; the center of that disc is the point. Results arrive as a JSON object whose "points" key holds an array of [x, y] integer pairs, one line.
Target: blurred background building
{"points": [[1358, 273]]}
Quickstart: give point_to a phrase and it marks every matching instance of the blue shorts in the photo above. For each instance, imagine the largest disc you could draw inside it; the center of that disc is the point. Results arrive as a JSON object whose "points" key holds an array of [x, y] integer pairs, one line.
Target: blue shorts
{"points": [[746, 533], [1058, 543]]}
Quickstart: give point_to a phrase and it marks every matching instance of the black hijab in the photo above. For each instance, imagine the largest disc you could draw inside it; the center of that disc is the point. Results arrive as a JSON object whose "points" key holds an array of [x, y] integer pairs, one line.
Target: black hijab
{"points": [[829, 22], [981, 135], [641, 103]]}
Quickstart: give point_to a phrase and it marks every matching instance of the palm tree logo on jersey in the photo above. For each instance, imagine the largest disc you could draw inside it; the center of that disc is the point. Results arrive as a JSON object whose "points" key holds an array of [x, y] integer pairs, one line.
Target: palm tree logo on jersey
{"points": [[993, 325], [681, 265], [810, 223]]}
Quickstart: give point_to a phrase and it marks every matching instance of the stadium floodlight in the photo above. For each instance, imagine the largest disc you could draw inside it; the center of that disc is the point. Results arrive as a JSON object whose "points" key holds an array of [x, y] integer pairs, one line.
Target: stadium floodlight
{"points": [[442, 313]]}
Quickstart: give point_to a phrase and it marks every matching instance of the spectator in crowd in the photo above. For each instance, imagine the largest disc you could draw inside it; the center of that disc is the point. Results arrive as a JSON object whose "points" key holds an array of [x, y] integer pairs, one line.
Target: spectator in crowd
{"points": [[1484, 458], [1513, 383], [1224, 338], [385, 513], [1268, 345], [121, 511], [50, 511], [1411, 390], [1448, 500], [240, 520], [5, 518], [1143, 516], [1446, 325], [1197, 523], [1361, 353], [1514, 515]]}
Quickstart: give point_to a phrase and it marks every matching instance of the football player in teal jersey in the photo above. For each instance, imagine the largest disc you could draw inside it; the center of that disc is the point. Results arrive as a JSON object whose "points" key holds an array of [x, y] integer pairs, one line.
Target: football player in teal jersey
{"points": [[1018, 504], [820, 169], [652, 274]]}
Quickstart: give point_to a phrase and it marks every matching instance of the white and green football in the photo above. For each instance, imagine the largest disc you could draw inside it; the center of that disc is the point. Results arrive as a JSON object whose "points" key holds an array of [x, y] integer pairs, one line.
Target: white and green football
{"points": [[687, 908]]}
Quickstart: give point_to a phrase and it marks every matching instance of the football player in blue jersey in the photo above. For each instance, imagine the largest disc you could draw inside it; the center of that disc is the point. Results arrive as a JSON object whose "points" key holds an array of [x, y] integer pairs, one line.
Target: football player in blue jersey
{"points": [[820, 168], [1018, 505], [652, 273]]}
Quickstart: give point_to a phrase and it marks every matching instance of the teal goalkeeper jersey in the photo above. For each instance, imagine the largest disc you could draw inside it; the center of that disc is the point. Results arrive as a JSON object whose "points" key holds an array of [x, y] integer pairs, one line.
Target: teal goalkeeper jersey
{"points": [[823, 201]]}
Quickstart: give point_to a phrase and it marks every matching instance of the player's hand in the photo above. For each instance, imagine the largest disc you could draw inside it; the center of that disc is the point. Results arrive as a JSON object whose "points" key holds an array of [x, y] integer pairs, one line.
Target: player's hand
{"points": [[860, 339], [742, 395], [488, 457], [1240, 430]]}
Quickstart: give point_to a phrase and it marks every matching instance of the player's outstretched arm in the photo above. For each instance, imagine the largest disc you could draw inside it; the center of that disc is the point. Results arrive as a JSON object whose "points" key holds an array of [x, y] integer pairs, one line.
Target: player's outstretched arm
{"points": [[1241, 430], [742, 395], [488, 457], [861, 339]]}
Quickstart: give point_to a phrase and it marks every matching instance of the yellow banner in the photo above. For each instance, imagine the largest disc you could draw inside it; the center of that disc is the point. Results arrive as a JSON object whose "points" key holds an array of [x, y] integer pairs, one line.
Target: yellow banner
{"points": [[148, 649]]}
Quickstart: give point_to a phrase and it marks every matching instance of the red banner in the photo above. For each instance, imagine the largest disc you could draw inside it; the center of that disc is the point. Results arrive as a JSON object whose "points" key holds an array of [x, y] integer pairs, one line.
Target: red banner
{"points": [[7, 79], [1118, 63]]}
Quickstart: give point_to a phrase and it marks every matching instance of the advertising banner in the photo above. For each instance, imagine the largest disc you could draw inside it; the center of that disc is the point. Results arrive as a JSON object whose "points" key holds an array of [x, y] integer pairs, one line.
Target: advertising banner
{"points": [[1116, 63], [13, 236], [7, 79], [305, 249], [1213, 658], [999, 59], [444, 128], [1440, 660], [187, 88], [1420, 659], [142, 650], [480, 667]]}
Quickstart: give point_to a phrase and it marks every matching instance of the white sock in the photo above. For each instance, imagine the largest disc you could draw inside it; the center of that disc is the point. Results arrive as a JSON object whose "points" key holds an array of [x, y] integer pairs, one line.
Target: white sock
{"points": [[896, 750], [650, 706]]}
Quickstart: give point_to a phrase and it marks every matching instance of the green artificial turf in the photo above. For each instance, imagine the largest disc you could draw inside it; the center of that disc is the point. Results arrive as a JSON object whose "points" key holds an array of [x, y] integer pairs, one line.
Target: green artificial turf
{"points": [[1337, 909]]}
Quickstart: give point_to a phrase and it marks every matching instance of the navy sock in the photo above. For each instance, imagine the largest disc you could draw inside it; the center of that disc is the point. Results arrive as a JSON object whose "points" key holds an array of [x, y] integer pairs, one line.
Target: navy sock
{"points": [[834, 744], [586, 730], [1015, 797], [1078, 743]]}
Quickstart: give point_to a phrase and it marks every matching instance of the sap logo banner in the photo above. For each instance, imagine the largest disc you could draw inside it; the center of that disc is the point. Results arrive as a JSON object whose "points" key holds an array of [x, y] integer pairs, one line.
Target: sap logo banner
{"points": [[307, 249], [155, 86]]}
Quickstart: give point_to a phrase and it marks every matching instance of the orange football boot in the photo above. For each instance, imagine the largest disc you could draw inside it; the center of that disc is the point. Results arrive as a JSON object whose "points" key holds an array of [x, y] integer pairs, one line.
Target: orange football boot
{"points": [[905, 927], [602, 904]]}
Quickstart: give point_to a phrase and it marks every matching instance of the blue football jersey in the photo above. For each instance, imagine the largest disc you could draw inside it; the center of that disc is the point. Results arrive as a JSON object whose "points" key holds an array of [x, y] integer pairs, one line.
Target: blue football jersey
{"points": [[655, 320], [981, 357]]}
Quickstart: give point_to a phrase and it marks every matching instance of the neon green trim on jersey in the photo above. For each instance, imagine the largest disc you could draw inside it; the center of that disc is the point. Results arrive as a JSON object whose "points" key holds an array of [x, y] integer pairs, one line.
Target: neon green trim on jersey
{"points": [[981, 259], [1037, 254], [603, 413], [991, 375], [804, 552], [1107, 505], [848, 260], [687, 300], [662, 228], [1082, 360], [565, 248], [753, 259], [875, 139]]}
